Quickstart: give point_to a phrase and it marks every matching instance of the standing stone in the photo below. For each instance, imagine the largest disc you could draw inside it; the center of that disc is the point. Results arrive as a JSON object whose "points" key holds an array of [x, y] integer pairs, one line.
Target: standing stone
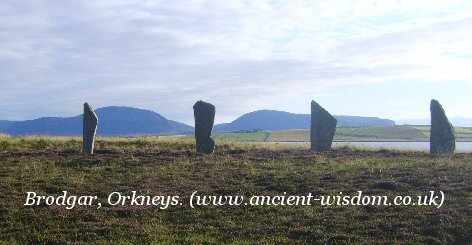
{"points": [[323, 127], [442, 135], [204, 114], [90, 128]]}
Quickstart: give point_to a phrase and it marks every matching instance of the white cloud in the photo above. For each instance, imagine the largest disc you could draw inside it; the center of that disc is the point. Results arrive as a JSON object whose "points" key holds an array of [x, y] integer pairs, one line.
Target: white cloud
{"points": [[240, 55]]}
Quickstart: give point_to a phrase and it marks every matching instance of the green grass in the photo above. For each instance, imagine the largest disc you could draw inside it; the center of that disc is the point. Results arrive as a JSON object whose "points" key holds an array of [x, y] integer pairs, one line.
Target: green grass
{"points": [[395, 133], [462, 134], [378, 133], [258, 136], [169, 166]]}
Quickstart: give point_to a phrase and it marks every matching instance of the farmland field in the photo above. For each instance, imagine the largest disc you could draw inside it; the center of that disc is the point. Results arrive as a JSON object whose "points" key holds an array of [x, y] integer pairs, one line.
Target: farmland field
{"points": [[169, 166], [462, 134], [240, 136], [395, 133]]}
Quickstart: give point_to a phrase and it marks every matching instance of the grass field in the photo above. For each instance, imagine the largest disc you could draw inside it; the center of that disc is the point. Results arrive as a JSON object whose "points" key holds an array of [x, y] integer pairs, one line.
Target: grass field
{"points": [[462, 134], [396, 133], [258, 136], [169, 166]]}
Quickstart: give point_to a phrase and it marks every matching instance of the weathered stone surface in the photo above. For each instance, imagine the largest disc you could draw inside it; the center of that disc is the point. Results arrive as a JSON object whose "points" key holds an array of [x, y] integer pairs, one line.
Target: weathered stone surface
{"points": [[442, 134], [323, 127], [204, 114], [90, 128]]}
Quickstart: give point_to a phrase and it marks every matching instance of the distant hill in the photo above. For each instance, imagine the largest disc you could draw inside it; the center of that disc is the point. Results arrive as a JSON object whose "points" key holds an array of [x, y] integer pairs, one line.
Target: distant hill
{"points": [[4, 124], [127, 121], [112, 121], [280, 120], [356, 121]]}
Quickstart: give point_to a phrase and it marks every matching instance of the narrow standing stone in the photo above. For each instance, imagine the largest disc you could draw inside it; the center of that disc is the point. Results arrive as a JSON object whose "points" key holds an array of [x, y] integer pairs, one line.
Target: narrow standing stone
{"points": [[442, 135], [323, 127], [204, 114], [90, 128]]}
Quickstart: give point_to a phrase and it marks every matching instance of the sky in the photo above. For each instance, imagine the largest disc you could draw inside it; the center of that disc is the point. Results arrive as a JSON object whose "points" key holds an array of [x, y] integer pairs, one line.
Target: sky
{"points": [[367, 58]]}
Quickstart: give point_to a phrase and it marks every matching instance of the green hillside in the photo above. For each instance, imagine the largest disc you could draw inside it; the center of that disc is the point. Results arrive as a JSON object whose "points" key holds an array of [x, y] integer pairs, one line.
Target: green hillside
{"points": [[394, 133], [241, 136]]}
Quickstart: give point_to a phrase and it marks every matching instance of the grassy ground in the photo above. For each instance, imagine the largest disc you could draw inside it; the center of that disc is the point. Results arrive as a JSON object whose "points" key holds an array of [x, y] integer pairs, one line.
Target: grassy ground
{"points": [[157, 166], [241, 136], [396, 133], [462, 134]]}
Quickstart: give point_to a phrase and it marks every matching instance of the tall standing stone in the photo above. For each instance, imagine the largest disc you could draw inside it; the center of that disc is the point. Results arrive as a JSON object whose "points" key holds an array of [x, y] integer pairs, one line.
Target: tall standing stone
{"points": [[204, 114], [90, 128], [442, 135], [323, 127]]}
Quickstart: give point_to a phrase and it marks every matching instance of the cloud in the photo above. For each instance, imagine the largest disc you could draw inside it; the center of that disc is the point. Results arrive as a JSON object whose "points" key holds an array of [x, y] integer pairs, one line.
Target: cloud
{"points": [[239, 55]]}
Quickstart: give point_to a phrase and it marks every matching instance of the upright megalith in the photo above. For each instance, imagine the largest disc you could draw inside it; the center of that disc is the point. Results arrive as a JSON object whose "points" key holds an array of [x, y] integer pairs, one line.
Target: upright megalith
{"points": [[204, 114], [90, 128], [323, 127], [442, 135]]}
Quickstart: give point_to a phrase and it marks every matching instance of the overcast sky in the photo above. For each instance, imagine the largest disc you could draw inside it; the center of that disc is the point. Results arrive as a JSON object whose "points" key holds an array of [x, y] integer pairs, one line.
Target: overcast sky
{"points": [[368, 58]]}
